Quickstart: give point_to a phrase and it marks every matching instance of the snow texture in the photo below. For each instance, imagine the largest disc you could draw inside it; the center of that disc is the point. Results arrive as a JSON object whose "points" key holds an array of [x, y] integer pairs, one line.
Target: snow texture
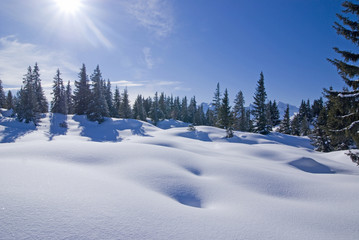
{"points": [[69, 178]]}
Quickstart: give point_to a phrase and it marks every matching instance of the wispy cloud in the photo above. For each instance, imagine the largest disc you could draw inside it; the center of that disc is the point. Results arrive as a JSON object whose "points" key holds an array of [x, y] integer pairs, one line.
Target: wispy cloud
{"points": [[148, 57], [16, 56], [155, 15], [125, 83]]}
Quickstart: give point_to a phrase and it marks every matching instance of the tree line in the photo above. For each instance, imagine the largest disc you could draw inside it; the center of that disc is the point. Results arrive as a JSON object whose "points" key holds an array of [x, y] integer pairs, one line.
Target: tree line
{"points": [[332, 124]]}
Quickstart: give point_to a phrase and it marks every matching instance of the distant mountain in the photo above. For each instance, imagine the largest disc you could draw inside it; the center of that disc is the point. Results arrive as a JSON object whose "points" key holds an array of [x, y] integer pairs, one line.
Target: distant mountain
{"points": [[281, 107]]}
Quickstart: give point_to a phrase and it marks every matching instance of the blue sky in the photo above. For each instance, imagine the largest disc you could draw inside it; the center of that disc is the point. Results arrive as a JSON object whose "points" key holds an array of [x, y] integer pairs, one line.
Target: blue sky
{"points": [[183, 47]]}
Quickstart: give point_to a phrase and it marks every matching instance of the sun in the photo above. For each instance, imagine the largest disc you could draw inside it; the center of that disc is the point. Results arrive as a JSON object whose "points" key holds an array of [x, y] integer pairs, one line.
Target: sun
{"points": [[68, 6]]}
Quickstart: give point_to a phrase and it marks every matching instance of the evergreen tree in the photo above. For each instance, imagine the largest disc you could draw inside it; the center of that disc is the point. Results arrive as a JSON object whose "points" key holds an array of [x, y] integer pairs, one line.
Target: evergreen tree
{"points": [[125, 108], [58, 103], [97, 108], [26, 107], [162, 104], [317, 107], [69, 99], [259, 111], [176, 111], [192, 109], [268, 114], [116, 103], [10, 104], [82, 93], [184, 110], [217, 105], [109, 98], [155, 112], [138, 109], [320, 138], [295, 125], [239, 113], [2, 96], [147, 104], [225, 117], [40, 95], [274, 114], [210, 117], [284, 126], [348, 117]]}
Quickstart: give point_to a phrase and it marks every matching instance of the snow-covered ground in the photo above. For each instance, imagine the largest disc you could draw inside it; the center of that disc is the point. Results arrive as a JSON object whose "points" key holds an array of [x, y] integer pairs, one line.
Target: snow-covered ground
{"points": [[127, 179]]}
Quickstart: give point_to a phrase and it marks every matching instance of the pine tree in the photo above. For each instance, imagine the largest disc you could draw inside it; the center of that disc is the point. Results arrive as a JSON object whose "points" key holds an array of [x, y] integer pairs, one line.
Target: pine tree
{"points": [[284, 126], [176, 112], [320, 138], [109, 98], [58, 103], [348, 118], [192, 109], [155, 112], [225, 117], [239, 113], [274, 114], [259, 111], [147, 104], [2, 96], [10, 101], [97, 108], [217, 105], [317, 107], [40, 95], [295, 125], [116, 103], [125, 108], [69, 99], [184, 110], [82, 93], [138, 109], [27, 107]]}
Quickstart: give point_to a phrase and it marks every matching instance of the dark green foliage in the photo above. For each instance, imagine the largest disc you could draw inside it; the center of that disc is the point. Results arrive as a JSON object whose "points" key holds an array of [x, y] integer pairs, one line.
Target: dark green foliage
{"points": [[320, 137], [225, 116], [40, 95], [295, 125], [240, 120], [125, 108], [217, 105], [274, 113], [343, 106], [155, 112], [69, 99], [192, 110], [58, 103], [317, 107], [109, 98], [10, 103], [184, 111], [138, 109], [82, 93], [97, 108], [259, 111], [116, 103], [2, 96], [285, 126]]}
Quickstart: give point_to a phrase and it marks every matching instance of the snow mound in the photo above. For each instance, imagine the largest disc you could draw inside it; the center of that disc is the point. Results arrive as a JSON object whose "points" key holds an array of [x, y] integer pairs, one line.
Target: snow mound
{"points": [[171, 123], [69, 178]]}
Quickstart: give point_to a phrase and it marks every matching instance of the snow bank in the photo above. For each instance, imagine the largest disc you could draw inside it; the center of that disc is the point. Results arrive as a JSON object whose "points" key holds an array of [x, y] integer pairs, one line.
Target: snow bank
{"points": [[126, 179]]}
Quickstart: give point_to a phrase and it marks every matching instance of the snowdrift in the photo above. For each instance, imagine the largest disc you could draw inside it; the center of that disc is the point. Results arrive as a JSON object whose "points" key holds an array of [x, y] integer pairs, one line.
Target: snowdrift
{"points": [[69, 178]]}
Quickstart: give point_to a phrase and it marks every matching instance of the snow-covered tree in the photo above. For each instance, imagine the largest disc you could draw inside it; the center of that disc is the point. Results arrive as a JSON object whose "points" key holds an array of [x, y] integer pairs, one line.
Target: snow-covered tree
{"points": [[10, 104], [284, 126], [116, 103], [2, 96], [138, 109], [43, 106], [155, 112]]}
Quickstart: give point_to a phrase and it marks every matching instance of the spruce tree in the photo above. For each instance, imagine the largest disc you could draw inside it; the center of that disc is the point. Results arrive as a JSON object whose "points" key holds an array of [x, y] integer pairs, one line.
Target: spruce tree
{"points": [[284, 126], [184, 110], [225, 117], [348, 117], [109, 98], [295, 125], [239, 113], [27, 107], [217, 105], [259, 105], [116, 103], [138, 109], [40, 95], [320, 138], [192, 109], [155, 112], [274, 114], [125, 108], [69, 99], [58, 103], [97, 108], [82, 93], [2, 96], [10, 101]]}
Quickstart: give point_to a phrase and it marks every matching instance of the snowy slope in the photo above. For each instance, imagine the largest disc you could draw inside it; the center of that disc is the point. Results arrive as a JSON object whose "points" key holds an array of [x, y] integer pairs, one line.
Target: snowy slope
{"points": [[126, 179]]}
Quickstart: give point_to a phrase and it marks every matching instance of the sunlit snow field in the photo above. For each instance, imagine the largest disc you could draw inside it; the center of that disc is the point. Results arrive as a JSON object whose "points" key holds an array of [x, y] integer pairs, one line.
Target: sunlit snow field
{"points": [[127, 179]]}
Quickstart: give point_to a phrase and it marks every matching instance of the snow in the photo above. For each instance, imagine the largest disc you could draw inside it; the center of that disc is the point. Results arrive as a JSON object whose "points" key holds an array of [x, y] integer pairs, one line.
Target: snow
{"points": [[127, 179]]}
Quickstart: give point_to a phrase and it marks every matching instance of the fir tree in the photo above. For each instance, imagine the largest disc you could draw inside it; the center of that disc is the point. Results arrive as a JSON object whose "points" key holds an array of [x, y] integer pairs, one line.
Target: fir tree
{"points": [[347, 118], [217, 105], [320, 138], [239, 113], [176, 111], [58, 103], [259, 111], [125, 108], [138, 109], [97, 108], [155, 112], [82, 93], [225, 117], [116, 103], [147, 104], [27, 107], [69, 99], [192, 109], [284, 126], [10, 101], [317, 107], [295, 125], [2, 96], [40, 95], [109, 98], [274, 114], [184, 110]]}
